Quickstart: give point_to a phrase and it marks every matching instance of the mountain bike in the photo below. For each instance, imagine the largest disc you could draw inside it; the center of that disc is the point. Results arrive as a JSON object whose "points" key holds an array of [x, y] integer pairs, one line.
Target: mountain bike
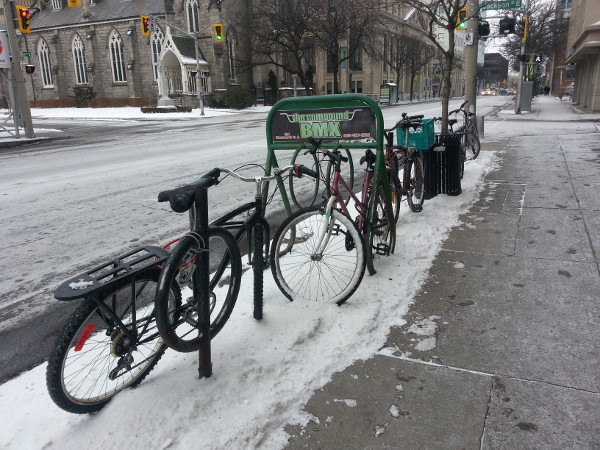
{"points": [[319, 253], [111, 341], [407, 175], [195, 262], [470, 136]]}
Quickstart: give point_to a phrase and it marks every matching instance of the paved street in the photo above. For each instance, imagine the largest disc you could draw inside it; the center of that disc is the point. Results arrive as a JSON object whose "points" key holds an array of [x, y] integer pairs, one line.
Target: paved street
{"points": [[500, 348]]}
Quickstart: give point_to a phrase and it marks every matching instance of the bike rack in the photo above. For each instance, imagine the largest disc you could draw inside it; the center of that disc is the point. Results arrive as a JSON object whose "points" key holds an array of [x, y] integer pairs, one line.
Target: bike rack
{"points": [[351, 121]]}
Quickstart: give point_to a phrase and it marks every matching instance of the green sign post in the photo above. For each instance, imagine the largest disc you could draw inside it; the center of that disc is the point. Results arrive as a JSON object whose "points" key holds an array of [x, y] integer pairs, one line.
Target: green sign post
{"points": [[502, 4]]}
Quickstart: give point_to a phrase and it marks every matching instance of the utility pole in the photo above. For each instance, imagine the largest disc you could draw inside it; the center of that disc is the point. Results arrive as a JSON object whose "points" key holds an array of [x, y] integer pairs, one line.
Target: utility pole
{"points": [[21, 106], [471, 51], [521, 66]]}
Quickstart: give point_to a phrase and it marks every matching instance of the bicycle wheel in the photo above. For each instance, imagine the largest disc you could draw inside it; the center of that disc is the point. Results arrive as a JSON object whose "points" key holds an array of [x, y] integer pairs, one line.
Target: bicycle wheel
{"points": [[415, 191], [297, 186], [472, 145], [395, 187], [94, 359], [179, 327], [380, 232], [330, 273]]}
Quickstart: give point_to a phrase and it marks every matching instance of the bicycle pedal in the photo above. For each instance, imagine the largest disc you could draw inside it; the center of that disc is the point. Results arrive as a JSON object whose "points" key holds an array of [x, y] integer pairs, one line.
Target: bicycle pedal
{"points": [[335, 230], [382, 249], [416, 208]]}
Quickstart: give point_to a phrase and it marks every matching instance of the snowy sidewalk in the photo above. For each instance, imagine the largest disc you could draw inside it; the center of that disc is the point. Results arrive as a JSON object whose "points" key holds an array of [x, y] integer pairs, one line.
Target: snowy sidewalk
{"points": [[479, 332], [499, 349]]}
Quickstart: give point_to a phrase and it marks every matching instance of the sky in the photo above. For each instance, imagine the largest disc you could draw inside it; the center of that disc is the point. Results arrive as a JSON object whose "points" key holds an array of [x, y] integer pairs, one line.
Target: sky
{"points": [[263, 372]]}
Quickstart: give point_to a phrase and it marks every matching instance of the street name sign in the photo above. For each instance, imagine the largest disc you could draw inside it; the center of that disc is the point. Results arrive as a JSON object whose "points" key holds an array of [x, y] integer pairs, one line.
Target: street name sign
{"points": [[502, 4]]}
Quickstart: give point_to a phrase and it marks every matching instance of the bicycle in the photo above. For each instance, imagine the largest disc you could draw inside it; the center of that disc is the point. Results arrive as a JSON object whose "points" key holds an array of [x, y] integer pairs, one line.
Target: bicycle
{"points": [[470, 136], [110, 342], [319, 252], [407, 174], [186, 266]]}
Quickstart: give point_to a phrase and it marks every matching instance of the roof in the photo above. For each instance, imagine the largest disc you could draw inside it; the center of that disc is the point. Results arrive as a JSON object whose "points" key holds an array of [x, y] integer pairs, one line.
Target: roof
{"points": [[102, 11]]}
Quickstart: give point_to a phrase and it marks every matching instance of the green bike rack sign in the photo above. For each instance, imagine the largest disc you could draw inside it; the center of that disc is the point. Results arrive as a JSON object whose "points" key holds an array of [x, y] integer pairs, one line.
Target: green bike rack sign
{"points": [[347, 121]]}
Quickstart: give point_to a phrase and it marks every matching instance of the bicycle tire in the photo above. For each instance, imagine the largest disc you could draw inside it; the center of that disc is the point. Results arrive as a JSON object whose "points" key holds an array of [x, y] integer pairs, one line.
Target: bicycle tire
{"points": [[334, 274], [415, 191], [175, 327], [307, 180], [380, 231], [258, 267], [90, 348], [472, 145], [395, 187]]}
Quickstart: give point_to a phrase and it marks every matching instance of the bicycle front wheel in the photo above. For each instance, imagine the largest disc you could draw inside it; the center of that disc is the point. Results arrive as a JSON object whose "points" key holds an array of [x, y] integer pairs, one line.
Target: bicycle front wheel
{"points": [[95, 358], [304, 269], [415, 191], [179, 327]]}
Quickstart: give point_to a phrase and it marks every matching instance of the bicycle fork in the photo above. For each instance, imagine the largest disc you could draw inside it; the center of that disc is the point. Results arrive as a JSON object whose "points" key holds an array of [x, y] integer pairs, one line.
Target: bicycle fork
{"points": [[325, 229]]}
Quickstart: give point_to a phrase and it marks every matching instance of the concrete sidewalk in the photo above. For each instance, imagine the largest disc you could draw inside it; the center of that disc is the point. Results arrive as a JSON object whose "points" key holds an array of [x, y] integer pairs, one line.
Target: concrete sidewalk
{"points": [[501, 348]]}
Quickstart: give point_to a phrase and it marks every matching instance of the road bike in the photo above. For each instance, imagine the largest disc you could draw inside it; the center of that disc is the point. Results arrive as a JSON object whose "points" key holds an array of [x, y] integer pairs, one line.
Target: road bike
{"points": [[407, 176], [180, 325], [319, 252]]}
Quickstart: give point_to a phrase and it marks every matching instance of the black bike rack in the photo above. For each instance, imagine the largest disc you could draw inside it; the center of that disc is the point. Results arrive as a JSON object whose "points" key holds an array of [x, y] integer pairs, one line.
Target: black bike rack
{"points": [[201, 282]]}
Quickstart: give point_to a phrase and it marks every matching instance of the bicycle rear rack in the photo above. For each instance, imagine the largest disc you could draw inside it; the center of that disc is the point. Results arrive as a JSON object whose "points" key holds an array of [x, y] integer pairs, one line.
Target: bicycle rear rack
{"points": [[116, 270]]}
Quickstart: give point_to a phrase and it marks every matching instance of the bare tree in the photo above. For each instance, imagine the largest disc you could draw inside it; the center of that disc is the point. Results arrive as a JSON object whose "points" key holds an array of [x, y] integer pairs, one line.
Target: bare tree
{"points": [[280, 35], [344, 23], [546, 31], [436, 15], [416, 54]]}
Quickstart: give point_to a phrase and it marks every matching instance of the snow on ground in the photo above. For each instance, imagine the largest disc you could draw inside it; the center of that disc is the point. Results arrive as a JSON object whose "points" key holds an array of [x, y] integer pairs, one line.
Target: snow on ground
{"points": [[263, 372]]}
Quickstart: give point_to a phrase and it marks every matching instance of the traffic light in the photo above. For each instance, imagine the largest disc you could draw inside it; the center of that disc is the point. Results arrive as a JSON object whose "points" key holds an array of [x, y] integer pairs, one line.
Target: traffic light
{"points": [[29, 68], [525, 28], [145, 24], [218, 35], [461, 19], [23, 19], [507, 25], [483, 29]]}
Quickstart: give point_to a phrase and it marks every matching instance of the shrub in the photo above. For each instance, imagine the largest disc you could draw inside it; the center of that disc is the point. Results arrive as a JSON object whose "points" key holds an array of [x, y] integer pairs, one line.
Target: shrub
{"points": [[82, 94]]}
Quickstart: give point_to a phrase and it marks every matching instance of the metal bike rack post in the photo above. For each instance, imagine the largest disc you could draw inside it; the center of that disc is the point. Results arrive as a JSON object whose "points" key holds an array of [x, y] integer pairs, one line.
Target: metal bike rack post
{"points": [[201, 281]]}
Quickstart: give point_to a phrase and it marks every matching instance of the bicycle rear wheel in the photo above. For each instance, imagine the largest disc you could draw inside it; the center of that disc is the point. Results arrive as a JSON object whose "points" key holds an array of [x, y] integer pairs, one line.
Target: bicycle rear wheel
{"points": [[415, 191], [331, 273], [94, 358], [395, 187], [179, 327], [472, 145]]}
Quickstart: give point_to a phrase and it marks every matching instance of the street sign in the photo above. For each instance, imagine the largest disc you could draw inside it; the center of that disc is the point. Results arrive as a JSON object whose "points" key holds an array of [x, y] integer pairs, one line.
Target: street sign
{"points": [[502, 4], [26, 54]]}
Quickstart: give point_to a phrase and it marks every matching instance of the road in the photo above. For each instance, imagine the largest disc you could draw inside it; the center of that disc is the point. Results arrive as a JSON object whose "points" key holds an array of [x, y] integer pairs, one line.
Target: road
{"points": [[70, 204]]}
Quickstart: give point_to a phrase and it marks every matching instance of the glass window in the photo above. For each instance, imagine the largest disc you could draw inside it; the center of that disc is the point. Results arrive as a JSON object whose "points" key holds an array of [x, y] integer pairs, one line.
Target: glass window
{"points": [[191, 10], [56, 4], [117, 59], [80, 65], [231, 56], [45, 66]]}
